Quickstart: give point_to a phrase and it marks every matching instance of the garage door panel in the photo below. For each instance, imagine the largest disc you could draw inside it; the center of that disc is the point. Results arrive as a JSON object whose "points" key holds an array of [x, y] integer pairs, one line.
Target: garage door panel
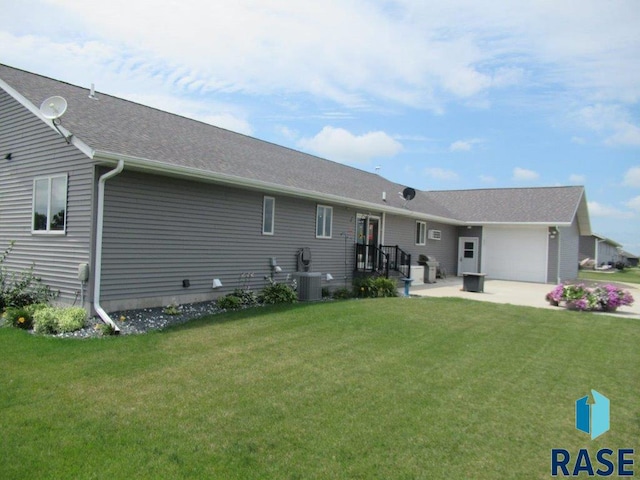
{"points": [[515, 253]]}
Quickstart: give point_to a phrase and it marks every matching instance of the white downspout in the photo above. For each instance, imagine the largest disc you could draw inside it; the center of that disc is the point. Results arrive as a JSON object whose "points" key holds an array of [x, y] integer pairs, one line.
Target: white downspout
{"points": [[559, 279], [99, 227]]}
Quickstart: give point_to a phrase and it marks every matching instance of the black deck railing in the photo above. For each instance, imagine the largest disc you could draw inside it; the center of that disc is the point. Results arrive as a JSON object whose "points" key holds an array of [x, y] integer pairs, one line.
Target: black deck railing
{"points": [[382, 259], [399, 260], [370, 258]]}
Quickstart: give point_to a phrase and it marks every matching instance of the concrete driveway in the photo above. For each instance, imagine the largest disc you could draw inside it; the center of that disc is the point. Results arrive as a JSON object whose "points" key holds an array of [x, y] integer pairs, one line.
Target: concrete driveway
{"points": [[515, 293]]}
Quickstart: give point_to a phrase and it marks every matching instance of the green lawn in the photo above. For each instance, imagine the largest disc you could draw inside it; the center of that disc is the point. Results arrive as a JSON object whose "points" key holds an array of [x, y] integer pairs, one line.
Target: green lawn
{"points": [[385, 388], [629, 275]]}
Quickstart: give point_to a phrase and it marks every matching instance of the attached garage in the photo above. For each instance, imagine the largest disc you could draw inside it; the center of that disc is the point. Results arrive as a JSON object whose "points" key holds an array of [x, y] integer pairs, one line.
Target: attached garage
{"points": [[515, 253]]}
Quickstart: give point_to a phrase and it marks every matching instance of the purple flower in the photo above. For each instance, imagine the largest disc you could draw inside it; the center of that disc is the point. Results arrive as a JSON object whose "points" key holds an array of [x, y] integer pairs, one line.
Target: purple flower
{"points": [[582, 304], [557, 294], [607, 297]]}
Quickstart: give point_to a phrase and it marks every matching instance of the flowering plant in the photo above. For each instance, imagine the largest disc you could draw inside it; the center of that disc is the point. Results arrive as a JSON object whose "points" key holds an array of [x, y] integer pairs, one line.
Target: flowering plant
{"points": [[580, 297], [556, 295], [611, 297]]}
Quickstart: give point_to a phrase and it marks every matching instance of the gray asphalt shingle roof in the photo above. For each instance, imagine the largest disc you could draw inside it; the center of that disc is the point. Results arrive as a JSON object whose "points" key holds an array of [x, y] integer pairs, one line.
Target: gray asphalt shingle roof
{"points": [[528, 205], [111, 124]]}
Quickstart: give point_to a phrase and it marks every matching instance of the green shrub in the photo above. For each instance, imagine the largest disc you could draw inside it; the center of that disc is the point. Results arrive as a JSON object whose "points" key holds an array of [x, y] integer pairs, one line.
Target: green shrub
{"points": [[50, 320], [326, 292], [342, 294], [19, 318], [172, 309], [70, 319], [361, 287], [106, 329], [385, 287], [247, 297], [373, 287], [229, 302], [35, 307], [44, 321], [278, 293], [21, 289]]}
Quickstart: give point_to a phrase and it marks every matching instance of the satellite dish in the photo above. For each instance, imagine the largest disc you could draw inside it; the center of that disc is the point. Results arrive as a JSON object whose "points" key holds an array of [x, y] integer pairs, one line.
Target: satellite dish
{"points": [[53, 107], [409, 194]]}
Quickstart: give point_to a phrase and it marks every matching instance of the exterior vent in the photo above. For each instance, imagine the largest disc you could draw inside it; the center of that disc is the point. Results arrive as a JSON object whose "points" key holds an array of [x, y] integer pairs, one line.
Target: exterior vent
{"points": [[309, 286], [434, 234]]}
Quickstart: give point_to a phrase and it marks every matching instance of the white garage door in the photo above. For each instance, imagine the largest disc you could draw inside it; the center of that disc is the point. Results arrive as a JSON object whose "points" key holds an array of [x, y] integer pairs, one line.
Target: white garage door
{"points": [[515, 253]]}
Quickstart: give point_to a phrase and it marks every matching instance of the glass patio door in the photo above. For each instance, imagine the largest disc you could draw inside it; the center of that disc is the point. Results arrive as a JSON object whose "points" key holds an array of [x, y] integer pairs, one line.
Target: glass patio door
{"points": [[368, 237]]}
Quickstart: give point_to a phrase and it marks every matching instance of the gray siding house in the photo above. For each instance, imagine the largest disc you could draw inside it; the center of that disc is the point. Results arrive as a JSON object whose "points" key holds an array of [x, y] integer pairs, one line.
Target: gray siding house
{"points": [[156, 206], [629, 259], [602, 250]]}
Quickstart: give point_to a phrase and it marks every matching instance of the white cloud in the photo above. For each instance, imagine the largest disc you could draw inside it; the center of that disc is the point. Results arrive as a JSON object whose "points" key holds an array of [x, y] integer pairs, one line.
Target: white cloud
{"points": [[419, 54], [287, 132], [613, 122], [634, 203], [464, 145], [441, 174], [229, 117], [577, 179], [488, 179], [341, 145], [522, 174], [632, 177], [229, 122], [625, 134], [599, 210]]}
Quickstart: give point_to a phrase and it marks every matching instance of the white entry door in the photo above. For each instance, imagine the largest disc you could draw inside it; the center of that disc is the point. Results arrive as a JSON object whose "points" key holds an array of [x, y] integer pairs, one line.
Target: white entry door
{"points": [[467, 255]]}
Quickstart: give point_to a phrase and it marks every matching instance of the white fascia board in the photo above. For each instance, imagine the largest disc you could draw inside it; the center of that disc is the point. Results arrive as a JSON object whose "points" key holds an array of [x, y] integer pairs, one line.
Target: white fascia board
{"points": [[143, 164], [582, 213], [524, 224], [75, 141], [603, 239]]}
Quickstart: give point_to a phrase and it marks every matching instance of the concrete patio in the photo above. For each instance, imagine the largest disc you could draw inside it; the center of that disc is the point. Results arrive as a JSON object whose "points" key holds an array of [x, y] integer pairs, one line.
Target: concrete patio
{"points": [[515, 293]]}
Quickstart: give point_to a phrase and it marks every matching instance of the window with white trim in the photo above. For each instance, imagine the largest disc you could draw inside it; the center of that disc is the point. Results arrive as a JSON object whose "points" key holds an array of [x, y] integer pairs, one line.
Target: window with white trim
{"points": [[421, 233], [324, 219], [268, 215], [49, 204]]}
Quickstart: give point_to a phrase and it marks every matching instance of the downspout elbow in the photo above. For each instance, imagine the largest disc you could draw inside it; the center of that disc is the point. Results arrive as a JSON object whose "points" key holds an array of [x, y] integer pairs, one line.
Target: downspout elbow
{"points": [[99, 237]]}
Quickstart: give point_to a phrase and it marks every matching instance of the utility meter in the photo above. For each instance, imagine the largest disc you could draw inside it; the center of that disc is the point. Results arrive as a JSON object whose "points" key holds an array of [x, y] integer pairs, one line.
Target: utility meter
{"points": [[83, 272]]}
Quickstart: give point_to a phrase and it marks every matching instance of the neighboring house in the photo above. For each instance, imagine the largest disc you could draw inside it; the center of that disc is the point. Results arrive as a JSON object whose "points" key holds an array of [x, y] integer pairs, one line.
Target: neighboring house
{"points": [[147, 199], [602, 250], [629, 258]]}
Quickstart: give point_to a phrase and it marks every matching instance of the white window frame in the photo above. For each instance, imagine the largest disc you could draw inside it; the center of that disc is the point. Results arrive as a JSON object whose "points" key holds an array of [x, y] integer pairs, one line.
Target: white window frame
{"points": [[48, 230], [421, 233], [265, 199], [325, 209]]}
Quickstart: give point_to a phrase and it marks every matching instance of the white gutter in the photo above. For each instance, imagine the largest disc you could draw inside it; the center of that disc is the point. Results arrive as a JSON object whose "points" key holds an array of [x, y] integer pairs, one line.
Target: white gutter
{"points": [[99, 227]]}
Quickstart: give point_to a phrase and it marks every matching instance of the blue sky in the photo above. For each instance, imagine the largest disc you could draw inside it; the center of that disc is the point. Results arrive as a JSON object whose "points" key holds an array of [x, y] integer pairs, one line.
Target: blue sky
{"points": [[439, 95]]}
